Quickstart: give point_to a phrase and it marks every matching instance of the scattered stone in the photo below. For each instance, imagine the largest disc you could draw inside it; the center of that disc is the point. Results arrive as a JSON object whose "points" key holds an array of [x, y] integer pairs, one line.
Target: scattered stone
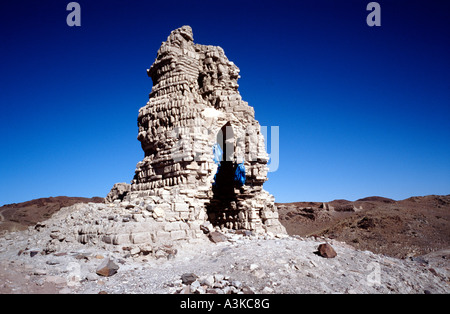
{"points": [[107, 268], [207, 280], [247, 290], [366, 223], [91, 277], [326, 250], [211, 291], [195, 285], [419, 259], [236, 283], [209, 284], [33, 253], [39, 272], [135, 251], [146, 249], [188, 278], [206, 227], [83, 256], [185, 290], [217, 237], [253, 267], [244, 232], [218, 277], [165, 251]]}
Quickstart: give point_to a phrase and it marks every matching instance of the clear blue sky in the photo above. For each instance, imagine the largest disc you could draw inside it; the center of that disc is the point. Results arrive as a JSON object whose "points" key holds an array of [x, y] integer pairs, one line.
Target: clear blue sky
{"points": [[362, 110]]}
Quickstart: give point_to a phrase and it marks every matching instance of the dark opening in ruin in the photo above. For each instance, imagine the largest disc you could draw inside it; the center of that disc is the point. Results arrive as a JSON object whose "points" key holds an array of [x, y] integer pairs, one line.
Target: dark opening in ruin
{"points": [[200, 81], [222, 209]]}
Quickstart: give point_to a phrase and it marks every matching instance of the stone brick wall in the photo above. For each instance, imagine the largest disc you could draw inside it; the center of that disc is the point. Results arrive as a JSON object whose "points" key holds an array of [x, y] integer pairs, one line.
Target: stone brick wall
{"points": [[194, 96]]}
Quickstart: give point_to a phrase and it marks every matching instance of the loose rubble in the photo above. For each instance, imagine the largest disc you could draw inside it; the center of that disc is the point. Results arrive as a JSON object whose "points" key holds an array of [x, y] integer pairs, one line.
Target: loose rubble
{"points": [[209, 284]]}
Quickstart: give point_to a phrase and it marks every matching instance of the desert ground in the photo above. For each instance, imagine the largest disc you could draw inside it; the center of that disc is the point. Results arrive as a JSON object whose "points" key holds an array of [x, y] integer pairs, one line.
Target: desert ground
{"points": [[382, 246]]}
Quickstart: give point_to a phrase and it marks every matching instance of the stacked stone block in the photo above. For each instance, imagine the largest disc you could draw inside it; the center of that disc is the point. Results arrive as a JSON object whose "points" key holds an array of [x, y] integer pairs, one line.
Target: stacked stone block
{"points": [[194, 101]]}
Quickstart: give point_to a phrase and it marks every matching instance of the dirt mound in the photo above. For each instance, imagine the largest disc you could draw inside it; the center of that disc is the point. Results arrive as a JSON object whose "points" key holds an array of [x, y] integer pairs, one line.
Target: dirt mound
{"points": [[19, 216], [410, 227]]}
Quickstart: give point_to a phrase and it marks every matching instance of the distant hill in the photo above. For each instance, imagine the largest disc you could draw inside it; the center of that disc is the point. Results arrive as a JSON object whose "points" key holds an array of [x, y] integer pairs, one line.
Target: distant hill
{"points": [[414, 226], [19, 216], [376, 199]]}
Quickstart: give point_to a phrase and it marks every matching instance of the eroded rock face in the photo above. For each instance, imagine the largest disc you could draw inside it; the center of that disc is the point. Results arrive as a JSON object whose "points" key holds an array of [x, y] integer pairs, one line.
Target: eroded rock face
{"points": [[118, 192]]}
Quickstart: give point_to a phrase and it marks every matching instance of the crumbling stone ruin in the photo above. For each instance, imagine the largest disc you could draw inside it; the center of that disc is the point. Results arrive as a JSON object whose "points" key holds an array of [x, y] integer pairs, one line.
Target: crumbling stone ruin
{"points": [[197, 133]]}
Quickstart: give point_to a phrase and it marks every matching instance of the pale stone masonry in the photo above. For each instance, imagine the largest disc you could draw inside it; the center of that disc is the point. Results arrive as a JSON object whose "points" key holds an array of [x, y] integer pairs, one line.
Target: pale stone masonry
{"points": [[193, 105]]}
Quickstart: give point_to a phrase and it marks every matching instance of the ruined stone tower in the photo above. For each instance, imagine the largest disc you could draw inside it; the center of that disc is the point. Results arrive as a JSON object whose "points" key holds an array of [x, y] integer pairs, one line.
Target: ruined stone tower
{"points": [[195, 112]]}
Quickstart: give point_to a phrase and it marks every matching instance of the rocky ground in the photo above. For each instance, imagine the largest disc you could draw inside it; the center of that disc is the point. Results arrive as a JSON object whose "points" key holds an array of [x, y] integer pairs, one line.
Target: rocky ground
{"points": [[234, 262], [240, 264]]}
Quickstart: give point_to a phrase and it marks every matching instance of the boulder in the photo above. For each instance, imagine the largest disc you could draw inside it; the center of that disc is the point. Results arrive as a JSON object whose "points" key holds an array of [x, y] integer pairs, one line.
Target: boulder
{"points": [[188, 278], [326, 250], [107, 268]]}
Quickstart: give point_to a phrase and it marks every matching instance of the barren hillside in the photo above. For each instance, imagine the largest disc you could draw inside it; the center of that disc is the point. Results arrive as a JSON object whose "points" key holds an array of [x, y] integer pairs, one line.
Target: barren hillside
{"points": [[19, 216], [410, 227]]}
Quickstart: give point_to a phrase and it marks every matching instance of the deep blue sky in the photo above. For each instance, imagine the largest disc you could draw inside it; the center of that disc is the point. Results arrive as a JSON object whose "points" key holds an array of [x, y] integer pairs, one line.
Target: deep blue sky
{"points": [[362, 110]]}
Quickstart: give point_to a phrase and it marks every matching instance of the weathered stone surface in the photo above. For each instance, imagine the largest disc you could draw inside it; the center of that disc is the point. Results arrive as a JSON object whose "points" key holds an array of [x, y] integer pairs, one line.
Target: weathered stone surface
{"points": [[326, 250], [142, 237], [118, 192], [179, 192], [195, 104]]}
